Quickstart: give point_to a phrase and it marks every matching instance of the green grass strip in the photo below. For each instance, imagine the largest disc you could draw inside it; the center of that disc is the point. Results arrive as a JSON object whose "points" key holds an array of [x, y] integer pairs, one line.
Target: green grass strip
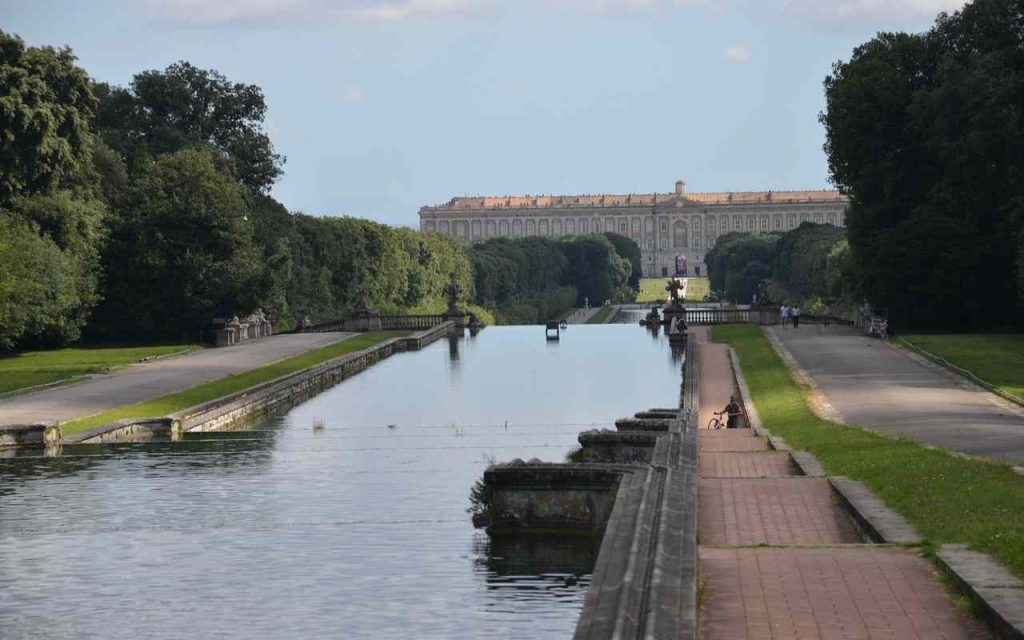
{"points": [[600, 317], [32, 368], [652, 290], [948, 499], [995, 358], [173, 402]]}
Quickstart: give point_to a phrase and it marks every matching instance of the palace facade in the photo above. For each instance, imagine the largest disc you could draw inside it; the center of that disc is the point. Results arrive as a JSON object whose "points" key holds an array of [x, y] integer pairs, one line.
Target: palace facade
{"points": [[674, 230]]}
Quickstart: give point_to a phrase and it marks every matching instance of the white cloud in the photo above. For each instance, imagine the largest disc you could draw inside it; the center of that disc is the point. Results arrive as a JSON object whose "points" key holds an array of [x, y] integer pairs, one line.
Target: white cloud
{"points": [[604, 5], [270, 13], [388, 11], [869, 10], [353, 94], [737, 54]]}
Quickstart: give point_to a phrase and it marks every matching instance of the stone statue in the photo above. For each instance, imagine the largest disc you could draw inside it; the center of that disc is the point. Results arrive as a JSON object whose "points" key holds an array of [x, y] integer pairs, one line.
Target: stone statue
{"points": [[673, 289], [452, 292]]}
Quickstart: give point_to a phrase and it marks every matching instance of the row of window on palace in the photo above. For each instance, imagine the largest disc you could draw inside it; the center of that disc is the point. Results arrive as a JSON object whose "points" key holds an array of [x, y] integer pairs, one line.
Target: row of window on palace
{"points": [[680, 229]]}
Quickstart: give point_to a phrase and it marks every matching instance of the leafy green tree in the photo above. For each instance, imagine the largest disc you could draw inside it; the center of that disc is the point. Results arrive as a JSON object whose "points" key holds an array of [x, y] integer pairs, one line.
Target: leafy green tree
{"points": [[801, 259], [738, 262], [46, 103], [630, 250], [38, 299], [923, 132], [181, 106], [181, 253], [594, 268]]}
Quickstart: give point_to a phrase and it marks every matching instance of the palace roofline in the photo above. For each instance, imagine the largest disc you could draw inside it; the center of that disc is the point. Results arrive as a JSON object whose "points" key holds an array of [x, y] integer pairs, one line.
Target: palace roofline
{"points": [[471, 203]]}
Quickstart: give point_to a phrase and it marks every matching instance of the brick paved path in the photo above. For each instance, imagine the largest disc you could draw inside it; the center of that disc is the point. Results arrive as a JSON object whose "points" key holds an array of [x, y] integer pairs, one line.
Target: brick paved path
{"points": [[819, 580]]}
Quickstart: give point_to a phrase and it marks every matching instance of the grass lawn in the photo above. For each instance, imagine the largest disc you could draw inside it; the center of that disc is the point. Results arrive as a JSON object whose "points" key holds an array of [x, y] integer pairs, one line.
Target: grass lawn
{"points": [[170, 403], [41, 367], [947, 499], [600, 316], [996, 359], [653, 290]]}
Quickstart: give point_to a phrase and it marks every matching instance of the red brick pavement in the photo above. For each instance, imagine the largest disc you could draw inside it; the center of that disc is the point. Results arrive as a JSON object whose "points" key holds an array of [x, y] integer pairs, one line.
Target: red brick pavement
{"points": [[744, 465], [775, 511], [834, 593], [731, 440]]}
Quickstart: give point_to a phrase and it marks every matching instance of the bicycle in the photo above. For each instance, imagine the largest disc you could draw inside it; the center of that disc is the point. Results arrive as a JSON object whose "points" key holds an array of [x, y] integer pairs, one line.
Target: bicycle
{"points": [[716, 423]]}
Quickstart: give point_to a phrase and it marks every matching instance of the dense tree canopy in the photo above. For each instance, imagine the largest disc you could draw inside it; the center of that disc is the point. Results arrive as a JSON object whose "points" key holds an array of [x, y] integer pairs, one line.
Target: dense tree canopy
{"points": [[164, 111], [924, 133], [738, 262], [46, 103], [181, 253]]}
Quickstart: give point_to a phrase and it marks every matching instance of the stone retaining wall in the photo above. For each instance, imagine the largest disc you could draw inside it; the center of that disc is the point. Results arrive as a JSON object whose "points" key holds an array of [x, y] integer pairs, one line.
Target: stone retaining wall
{"points": [[272, 396], [28, 435], [645, 578]]}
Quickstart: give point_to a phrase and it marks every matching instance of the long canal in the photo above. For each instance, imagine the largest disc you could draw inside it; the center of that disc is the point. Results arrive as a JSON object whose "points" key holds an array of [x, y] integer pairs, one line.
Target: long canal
{"points": [[345, 517]]}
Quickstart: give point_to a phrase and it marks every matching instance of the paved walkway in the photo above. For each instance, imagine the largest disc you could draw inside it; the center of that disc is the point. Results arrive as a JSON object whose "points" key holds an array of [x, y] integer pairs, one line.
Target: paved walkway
{"points": [[779, 559], [874, 384], [155, 378], [580, 315]]}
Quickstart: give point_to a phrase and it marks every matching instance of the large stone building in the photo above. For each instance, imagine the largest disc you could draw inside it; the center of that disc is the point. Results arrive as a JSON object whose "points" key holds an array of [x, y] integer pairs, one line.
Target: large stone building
{"points": [[674, 230]]}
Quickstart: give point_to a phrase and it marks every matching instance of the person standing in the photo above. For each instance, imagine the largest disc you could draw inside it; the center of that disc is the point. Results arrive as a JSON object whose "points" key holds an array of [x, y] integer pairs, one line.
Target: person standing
{"points": [[796, 316], [733, 413]]}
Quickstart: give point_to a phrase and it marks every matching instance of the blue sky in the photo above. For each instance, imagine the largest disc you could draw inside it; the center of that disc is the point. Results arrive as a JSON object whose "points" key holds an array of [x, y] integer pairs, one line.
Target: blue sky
{"points": [[385, 105]]}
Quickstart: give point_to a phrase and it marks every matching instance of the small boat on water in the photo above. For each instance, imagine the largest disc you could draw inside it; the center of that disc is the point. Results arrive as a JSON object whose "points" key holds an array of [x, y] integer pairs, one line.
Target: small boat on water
{"points": [[652, 319]]}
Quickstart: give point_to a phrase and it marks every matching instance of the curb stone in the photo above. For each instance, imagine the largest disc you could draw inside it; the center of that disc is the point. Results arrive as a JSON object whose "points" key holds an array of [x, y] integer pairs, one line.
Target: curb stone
{"points": [[873, 517], [998, 596]]}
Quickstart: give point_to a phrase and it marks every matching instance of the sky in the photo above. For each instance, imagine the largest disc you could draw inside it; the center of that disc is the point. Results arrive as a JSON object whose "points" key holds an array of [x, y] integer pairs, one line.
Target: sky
{"points": [[382, 106]]}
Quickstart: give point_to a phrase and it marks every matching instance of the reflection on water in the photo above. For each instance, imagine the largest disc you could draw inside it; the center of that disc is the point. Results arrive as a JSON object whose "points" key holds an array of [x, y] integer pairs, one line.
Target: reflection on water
{"points": [[355, 530]]}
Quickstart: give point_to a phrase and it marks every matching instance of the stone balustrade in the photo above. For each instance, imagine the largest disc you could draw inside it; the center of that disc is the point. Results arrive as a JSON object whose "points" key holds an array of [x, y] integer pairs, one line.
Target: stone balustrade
{"points": [[234, 331]]}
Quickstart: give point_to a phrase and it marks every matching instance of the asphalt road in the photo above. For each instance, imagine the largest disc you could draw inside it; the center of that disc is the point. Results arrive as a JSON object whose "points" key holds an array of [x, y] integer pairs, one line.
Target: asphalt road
{"points": [[873, 384], [155, 378]]}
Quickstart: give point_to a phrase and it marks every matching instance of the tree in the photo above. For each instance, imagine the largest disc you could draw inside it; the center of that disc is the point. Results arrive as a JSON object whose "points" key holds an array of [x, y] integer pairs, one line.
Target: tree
{"points": [[594, 268], [181, 253], [629, 250], [923, 132], [181, 106], [46, 103], [738, 262]]}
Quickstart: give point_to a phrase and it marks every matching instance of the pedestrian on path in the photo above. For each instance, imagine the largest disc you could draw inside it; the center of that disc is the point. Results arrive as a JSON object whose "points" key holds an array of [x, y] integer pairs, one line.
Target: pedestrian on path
{"points": [[796, 317], [733, 411], [784, 314]]}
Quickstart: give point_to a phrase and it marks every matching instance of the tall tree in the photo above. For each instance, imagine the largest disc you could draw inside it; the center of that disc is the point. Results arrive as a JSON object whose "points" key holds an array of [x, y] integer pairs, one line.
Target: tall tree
{"points": [[181, 253], [924, 133], [165, 111], [46, 103]]}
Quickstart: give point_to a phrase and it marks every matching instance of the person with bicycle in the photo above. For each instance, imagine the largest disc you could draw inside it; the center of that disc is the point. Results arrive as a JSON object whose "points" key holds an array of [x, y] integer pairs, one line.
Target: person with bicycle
{"points": [[733, 411]]}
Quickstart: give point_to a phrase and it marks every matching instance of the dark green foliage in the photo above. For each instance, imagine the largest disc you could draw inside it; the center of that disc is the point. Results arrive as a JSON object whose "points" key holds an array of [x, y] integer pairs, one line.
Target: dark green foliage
{"points": [[739, 262], [801, 259], [595, 269], [629, 250], [46, 103], [924, 131], [181, 253], [530, 280], [182, 106]]}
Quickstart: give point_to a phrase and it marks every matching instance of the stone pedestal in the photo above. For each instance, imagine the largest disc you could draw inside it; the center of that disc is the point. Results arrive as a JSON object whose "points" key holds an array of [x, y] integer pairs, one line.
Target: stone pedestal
{"points": [[369, 320], [456, 316]]}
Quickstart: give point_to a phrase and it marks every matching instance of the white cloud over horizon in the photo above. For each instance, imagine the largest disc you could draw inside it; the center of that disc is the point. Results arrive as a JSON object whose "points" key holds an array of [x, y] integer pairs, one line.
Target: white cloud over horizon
{"points": [[271, 13], [737, 54]]}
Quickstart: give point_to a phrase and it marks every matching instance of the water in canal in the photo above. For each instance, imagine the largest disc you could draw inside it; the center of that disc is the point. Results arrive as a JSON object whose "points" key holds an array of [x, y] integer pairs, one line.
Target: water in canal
{"points": [[355, 530]]}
